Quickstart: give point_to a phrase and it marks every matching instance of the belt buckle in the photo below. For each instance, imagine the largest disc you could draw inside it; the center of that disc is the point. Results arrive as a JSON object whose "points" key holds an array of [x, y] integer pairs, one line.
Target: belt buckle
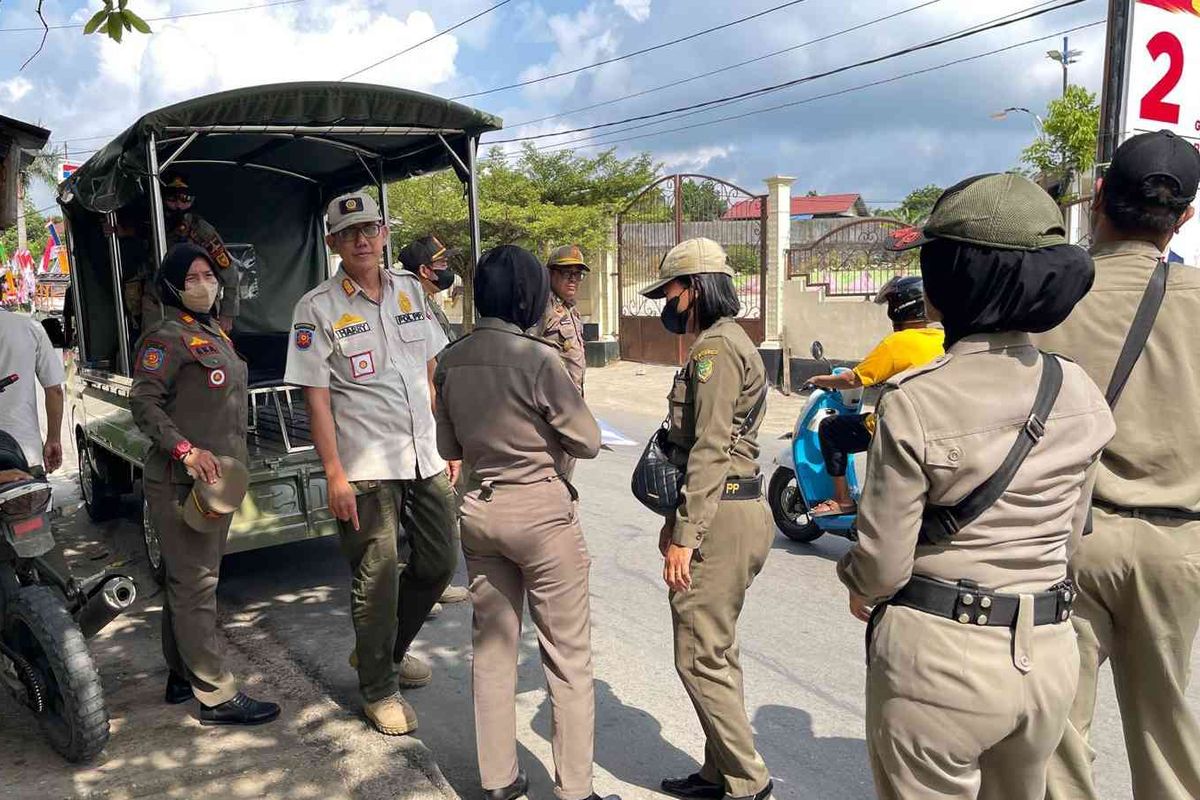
{"points": [[972, 605], [1035, 427], [1064, 599]]}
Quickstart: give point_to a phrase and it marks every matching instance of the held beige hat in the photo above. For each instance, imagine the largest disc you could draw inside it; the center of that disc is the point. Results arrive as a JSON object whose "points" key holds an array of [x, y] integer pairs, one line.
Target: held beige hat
{"points": [[692, 257], [209, 505]]}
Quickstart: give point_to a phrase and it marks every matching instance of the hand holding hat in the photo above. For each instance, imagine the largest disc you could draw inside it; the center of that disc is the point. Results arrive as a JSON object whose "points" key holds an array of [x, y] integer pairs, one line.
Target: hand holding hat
{"points": [[209, 504]]}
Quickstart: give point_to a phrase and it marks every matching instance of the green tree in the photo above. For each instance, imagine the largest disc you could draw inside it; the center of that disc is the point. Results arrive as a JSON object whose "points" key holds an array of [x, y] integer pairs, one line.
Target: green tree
{"points": [[35, 232], [917, 205], [702, 201], [113, 20], [1067, 146]]}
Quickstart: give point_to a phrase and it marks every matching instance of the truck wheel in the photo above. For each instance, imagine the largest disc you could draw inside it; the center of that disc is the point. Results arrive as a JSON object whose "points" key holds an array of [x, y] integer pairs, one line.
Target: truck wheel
{"points": [[153, 548], [40, 629], [100, 499], [787, 507]]}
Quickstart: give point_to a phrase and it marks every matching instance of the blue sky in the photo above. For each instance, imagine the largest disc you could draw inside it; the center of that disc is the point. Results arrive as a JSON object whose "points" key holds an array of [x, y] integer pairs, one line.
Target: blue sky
{"points": [[880, 142]]}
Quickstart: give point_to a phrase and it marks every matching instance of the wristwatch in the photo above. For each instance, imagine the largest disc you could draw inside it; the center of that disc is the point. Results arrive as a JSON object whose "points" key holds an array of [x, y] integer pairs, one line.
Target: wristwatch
{"points": [[181, 450]]}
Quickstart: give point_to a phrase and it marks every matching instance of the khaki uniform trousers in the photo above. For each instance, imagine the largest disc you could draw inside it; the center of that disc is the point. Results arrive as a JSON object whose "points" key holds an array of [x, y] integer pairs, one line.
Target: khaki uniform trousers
{"points": [[192, 560], [389, 606], [950, 715], [705, 619], [1138, 606], [526, 542]]}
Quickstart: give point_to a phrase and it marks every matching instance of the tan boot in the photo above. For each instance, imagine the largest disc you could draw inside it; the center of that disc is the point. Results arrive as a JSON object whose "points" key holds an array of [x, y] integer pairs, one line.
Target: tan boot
{"points": [[455, 594], [414, 673], [391, 715]]}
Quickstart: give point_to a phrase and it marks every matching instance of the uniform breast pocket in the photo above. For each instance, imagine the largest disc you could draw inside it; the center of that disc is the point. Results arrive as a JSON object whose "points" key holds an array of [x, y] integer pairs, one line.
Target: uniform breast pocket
{"points": [[682, 416], [413, 331]]}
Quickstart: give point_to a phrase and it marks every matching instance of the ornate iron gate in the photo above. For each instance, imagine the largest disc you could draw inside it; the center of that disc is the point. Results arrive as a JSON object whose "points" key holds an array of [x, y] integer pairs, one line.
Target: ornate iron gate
{"points": [[669, 211], [852, 260]]}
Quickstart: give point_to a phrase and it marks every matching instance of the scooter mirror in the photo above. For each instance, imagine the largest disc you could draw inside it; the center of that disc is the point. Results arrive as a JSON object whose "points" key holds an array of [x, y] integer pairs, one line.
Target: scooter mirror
{"points": [[818, 351]]}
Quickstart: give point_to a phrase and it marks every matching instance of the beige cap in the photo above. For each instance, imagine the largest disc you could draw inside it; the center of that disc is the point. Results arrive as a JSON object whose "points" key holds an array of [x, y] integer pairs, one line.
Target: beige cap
{"points": [[209, 505], [693, 257], [569, 255], [355, 208]]}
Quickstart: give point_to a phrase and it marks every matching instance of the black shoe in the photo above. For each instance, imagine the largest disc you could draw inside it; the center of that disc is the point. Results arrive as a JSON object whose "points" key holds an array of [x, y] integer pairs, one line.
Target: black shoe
{"points": [[762, 795], [693, 786], [178, 689], [516, 789], [241, 710], [605, 797]]}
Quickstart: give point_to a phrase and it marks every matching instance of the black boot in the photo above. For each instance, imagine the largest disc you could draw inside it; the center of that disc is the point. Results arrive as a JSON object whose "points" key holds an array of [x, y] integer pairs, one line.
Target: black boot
{"points": [[178, 689], [762, 795], [692, 787], [516, 789], [241, 710]]}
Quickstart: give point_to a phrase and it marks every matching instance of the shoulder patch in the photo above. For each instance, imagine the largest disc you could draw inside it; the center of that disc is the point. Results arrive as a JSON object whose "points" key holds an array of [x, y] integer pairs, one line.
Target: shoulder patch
{"points": [[909, 374], [154, 356]]}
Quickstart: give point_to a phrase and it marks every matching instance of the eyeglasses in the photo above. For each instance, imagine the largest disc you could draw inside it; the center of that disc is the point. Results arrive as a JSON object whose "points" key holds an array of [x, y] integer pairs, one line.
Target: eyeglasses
{"points": [[370, 231], [180, 197], [572, 275]]}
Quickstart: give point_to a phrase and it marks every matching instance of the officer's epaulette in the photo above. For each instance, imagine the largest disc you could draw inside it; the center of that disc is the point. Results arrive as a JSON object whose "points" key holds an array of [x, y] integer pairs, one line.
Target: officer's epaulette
{"points": [[908, 374]]}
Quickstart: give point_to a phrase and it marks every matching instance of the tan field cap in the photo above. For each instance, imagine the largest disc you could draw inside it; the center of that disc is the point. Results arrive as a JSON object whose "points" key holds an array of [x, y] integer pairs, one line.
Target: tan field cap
{"points": [[209, 504], [355, 208], [692, 257], [569, 255]]}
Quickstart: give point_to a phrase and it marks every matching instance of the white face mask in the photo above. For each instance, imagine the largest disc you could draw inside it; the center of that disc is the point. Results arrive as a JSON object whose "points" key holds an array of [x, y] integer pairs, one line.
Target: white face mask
{"points": [[199, 297]]}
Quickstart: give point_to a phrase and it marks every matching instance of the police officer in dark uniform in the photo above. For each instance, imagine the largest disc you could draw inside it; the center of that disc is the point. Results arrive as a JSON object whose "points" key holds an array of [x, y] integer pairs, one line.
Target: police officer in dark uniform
{"points": [[189, 397]]}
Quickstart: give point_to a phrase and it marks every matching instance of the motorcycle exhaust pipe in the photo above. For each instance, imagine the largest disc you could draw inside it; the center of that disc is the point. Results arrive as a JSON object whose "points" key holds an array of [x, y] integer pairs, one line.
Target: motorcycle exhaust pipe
{"points": [[106, 600]]}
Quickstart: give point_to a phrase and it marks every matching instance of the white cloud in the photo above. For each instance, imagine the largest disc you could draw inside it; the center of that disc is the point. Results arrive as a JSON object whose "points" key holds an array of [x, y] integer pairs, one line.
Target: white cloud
{"points": [[13, 89], [582, 38], [696, 158], [639, 10]]}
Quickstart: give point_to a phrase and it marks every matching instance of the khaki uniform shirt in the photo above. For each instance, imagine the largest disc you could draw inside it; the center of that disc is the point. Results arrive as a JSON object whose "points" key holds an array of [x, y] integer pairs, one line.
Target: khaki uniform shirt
{"points": [[943, 430], [1154, 460], [508, 409], [439, 316], [373, 358], [562, 326], [188, 383], [710, 399]]}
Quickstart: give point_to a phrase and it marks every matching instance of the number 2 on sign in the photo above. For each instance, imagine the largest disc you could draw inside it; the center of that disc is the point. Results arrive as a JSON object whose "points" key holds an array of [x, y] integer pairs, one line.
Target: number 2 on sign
{"points": [[1154, 104]]}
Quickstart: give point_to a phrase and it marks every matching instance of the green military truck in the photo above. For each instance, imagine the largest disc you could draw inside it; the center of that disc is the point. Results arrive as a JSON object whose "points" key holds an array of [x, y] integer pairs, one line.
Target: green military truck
{"points": [[262, 163]]}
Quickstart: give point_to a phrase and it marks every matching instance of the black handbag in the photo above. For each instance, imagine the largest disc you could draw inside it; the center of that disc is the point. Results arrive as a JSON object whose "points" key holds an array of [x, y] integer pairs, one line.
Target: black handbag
{"points": [[657, 482]]}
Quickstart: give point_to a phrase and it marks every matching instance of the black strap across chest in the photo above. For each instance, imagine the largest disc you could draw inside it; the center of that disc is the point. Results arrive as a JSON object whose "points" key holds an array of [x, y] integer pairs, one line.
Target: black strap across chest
{"points": [[941, 523], [1139, 331]]}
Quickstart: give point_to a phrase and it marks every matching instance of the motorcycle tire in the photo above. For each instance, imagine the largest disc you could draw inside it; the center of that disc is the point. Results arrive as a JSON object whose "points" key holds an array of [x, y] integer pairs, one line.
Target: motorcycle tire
{"points": [[783, 482], [75, 720]]}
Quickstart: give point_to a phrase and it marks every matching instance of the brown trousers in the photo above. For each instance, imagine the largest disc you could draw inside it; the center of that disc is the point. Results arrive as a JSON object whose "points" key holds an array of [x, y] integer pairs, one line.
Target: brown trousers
{"points": [[190, 639], [950, 714], [706, 645], [1138, 607], [526, 542]]}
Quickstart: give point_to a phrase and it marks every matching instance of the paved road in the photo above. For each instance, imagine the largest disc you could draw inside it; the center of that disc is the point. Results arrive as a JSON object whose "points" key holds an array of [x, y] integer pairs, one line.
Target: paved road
{"points": [[286, 613]]}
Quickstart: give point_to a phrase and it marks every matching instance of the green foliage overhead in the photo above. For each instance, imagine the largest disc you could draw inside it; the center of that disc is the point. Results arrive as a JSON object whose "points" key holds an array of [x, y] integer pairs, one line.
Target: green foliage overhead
{"points": [[533, 199], [35, 231], [114, 19], [1067, 146], [917, 206]]}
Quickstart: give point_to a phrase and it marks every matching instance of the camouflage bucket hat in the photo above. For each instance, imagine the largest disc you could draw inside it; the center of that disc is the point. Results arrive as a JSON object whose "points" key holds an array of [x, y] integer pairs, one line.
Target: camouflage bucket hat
{"points": [[1000, 210], [691, 257]]}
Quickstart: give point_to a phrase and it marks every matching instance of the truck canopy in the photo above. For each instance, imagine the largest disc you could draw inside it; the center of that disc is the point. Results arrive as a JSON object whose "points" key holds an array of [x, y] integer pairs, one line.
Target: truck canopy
{"points": [[262, 163]]}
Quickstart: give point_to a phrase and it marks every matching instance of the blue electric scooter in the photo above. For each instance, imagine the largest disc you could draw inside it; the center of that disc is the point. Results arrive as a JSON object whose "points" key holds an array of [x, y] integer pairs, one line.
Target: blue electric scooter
{"points": [[800, 480]]}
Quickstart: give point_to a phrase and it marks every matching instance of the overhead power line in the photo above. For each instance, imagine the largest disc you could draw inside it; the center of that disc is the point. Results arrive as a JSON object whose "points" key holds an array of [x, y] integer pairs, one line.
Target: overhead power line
{"points": [[838, 93], [797, 81], [624, 56], [73, 25], [676, 117], [410, 48], [718, 71]]}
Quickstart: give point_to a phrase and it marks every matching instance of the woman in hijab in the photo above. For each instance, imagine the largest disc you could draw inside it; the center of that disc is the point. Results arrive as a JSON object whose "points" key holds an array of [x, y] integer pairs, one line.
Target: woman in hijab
{"points": [[189, 398], [978, 483], [508, 409]]}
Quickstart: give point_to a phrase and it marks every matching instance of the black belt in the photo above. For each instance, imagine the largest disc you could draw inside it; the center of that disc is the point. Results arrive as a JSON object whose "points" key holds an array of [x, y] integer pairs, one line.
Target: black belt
{"points": [[966, 603], [487, 487], [1146, 512], [742, 488]]}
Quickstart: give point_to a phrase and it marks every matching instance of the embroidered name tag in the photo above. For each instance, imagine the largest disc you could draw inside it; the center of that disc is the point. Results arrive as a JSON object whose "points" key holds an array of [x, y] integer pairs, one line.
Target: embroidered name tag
{"points": [[349, 325]]}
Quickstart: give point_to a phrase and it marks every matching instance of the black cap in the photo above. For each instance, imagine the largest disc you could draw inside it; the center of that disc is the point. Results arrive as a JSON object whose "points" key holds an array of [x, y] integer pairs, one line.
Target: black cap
{"points": [[1161, 154], [422, 252]]}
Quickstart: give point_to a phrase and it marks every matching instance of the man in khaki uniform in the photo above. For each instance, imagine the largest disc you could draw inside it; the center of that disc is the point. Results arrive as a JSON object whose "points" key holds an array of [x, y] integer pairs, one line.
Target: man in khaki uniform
{"points": [[561, 325], [364, 349], [717, 541], [510, 411], [972, 663], [1138, 572]]}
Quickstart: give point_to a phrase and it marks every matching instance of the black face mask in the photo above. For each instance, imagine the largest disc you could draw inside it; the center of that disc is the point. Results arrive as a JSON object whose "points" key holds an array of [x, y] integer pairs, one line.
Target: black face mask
{"points": [[673, 319], [443, 279]]}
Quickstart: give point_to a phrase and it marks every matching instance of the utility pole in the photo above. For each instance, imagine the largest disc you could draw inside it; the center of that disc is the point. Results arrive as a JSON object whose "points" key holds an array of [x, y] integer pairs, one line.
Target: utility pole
{"points": [[1066, 57]]}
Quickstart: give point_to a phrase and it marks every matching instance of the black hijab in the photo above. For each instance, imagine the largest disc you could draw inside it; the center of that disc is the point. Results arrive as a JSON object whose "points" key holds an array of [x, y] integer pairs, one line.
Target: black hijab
{"points": [[172, 275], [511, 284], [989, 290]]}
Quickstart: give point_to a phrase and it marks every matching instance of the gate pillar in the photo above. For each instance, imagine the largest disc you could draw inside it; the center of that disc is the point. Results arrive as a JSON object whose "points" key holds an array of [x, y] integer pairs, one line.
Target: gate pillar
{"points": [[778, 239]]}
